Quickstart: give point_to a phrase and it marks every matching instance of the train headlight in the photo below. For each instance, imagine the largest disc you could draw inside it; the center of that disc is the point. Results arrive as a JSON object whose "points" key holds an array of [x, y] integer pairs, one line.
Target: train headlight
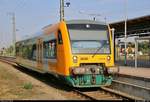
{"points": [[75, 59], [78, 71], [108, 58]]}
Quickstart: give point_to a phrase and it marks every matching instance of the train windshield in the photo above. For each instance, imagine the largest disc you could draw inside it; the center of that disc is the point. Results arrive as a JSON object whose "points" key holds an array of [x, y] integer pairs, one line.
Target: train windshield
{"points": [[89, 38]]}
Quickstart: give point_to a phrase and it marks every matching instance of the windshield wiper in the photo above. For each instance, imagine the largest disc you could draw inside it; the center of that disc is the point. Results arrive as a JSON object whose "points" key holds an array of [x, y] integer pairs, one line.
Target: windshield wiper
{"points": [[99, 49]]}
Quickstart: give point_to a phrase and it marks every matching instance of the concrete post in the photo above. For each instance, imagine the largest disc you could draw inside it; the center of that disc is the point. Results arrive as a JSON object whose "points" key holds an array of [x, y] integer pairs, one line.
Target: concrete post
{"points": [[61, 10], [113, 40], [136, 52], [14, 33]]}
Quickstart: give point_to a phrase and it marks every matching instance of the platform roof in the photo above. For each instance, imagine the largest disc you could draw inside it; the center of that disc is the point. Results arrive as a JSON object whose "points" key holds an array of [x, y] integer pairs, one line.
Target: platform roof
{"points": [[139, 26]]}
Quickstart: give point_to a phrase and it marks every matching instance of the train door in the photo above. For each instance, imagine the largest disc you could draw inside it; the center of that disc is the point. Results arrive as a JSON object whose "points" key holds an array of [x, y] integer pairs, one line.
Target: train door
{"points": [[39, 57]]}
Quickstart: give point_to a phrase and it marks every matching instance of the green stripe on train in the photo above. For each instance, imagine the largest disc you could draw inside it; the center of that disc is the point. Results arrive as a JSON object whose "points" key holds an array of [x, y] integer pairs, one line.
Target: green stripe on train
{"points": [[86, 80]]}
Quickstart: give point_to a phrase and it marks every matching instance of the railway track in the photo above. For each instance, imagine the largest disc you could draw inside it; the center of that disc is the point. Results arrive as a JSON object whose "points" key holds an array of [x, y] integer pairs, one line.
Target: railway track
{"points": [[98, 94], [9, 60], [103, 93]]}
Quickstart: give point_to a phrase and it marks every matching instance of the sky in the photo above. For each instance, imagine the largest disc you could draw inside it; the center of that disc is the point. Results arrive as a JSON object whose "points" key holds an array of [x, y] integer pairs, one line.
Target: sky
{"points": [[32, 15]]}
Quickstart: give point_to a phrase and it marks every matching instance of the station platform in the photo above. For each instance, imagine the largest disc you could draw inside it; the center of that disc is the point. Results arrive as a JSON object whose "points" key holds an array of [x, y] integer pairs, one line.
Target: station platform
{"points": [[133, 81], [136, 72]]}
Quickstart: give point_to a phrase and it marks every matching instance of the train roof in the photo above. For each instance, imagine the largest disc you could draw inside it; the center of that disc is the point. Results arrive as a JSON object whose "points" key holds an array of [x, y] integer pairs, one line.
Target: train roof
{"points": [[85, 22], [32, 40], [40, 33]]}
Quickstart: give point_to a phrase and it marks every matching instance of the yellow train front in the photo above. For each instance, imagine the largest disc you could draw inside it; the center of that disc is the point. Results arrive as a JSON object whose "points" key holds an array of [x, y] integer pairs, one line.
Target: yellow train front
{"points": [[79, 52]]}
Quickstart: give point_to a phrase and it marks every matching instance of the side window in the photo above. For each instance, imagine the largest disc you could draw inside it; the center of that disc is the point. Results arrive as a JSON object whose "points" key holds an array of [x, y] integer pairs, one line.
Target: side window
{"points": [[30, 52], [34, 52], [20, 51], [60, 41], [50, 49], [23, 51], [53, 49], [17, 50], [46, 50]]}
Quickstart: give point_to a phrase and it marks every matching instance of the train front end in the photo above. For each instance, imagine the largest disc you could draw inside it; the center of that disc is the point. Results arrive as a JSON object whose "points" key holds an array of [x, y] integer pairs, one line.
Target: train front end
{"points": [[91, 54]]}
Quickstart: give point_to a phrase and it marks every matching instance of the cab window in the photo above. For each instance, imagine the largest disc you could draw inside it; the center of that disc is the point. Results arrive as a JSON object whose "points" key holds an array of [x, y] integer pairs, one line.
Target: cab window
{"points": [[60, 41]]}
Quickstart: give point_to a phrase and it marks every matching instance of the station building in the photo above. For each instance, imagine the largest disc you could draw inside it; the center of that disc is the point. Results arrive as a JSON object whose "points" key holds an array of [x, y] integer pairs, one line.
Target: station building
{"points": [[138, 29]]}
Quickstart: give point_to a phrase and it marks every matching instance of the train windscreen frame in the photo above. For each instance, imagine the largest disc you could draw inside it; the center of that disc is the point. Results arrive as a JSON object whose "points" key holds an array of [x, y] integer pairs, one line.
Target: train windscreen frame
{"points": [[88, 38]]}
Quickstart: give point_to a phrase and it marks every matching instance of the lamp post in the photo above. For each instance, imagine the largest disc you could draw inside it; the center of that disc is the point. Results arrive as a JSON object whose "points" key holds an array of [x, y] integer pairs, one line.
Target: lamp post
{"points": [[125, 34], [14, 30], [62, 9]]}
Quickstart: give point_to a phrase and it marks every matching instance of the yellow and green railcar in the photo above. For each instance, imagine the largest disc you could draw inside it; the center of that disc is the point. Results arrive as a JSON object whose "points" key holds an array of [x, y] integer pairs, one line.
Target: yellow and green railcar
{"points": [[79, 52]]}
